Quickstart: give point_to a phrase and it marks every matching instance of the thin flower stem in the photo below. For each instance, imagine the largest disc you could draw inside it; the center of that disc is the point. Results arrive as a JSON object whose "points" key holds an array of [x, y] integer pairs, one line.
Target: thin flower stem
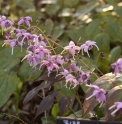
{"points": [[16, 118], [45, 114], [77, 97], [51, 47], [46, 36], [88, 67], [94, 66], [39, 96]]}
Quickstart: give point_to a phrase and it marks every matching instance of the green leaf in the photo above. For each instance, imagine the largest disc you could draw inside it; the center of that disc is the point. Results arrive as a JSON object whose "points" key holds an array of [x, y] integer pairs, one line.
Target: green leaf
{"points": [[25, 73], [86, 8], [49, 119], [47, 26], [71, 3], [75, 33], [78, 114], [26, 4], [102, 41], [57, 32], [55, 110], [8, 84], [8, 61], [52, 9], [115, 53], [112, 2], [64, 91], [93, 29], [87, 63], [118, 10], [113, 29]]}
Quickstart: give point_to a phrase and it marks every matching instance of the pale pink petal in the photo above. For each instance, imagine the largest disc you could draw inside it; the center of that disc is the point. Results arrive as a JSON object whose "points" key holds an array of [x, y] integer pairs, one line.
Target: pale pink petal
{"points": [[21, 21]]}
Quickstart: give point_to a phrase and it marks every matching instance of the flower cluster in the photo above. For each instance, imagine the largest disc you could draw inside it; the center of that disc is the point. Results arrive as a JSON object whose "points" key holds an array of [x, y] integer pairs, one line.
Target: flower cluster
{"points": [[117, 66], [118, 106], [99, 94], [38, 53], [5, 23]]}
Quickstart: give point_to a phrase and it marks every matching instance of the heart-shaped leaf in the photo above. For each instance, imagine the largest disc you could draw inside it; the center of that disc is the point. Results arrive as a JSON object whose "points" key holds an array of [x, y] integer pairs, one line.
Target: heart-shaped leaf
{"points": [[8, 84], [8, 61]]}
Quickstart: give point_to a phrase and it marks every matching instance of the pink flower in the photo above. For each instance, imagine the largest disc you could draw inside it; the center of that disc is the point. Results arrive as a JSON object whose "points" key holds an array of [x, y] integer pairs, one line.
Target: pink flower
{"points": [[118, 106], [25, 20], [72, 80], [13, 43], [83, 77], [5, 23], [8, 35], [41, 41], [26, 36], [64, 73], [57, 59], [19, 32], [72, 48], [87, 46], [50, 66], [117, 66], [73, 67], [40, 51], [98, 93], [32, 60]]}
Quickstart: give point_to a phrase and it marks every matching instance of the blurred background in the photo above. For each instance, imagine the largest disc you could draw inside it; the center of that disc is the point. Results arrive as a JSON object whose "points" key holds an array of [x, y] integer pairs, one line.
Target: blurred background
{"points": [[63, 21]]}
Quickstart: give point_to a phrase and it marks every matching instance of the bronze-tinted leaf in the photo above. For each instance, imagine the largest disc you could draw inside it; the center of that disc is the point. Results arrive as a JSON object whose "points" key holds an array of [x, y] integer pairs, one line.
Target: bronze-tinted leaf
{"points": [[30, 95], [34, 91], [55, 93], [106, 82], [113, 95], [45, 105], [64, 102], [51, 78]]}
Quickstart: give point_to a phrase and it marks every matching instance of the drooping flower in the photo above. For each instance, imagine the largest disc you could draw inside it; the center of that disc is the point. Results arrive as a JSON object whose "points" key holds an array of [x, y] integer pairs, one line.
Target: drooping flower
{"points": [[117, 66], [25, 36], [13, 43], [64, 73], [57, 59], [98, 93], [72, 80], [87, 46], [19, 32], [42, 41], [73, 67], [118, 106], [50, 66], [32, 60], [8, 35], [40, 51], [68, 57], [72, 48], [5, 23], [83, 77], [25, 20]]}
